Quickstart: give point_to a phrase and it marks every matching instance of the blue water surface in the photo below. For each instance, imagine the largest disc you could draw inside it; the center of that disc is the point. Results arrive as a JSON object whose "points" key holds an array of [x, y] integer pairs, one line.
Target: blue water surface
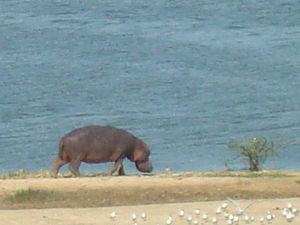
{"points": [[186, 77]]}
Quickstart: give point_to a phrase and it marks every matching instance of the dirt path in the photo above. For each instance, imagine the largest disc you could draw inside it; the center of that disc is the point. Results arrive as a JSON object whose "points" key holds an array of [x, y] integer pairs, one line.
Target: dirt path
{"points": [[156, 214]]}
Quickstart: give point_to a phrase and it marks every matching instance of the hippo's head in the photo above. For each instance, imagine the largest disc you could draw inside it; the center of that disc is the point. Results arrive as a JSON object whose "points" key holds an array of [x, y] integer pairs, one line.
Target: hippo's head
{"points": [[140, 155], [144, 166]]}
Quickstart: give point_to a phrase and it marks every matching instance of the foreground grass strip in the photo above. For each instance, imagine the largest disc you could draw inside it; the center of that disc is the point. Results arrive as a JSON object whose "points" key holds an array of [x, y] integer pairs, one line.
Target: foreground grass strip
{"points": [[22, 174], [32, 195], [272, 174]]}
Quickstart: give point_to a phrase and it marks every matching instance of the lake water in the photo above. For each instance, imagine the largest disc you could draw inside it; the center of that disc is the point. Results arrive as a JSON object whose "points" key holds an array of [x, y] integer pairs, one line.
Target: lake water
{"points": [[185, 76]]}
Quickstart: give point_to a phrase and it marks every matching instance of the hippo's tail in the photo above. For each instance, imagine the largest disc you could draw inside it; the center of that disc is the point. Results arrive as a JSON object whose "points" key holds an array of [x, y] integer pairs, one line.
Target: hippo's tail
{"points": [[61, 150]]}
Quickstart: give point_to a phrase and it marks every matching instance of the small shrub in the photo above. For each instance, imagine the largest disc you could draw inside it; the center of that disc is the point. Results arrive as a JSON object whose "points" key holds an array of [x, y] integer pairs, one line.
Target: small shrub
{"points": [[254, 152]]}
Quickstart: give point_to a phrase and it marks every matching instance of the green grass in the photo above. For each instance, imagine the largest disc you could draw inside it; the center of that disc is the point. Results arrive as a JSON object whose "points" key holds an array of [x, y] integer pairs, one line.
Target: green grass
{"points": [[22, 174], [11, 175], [32, 195], [272, 174]]}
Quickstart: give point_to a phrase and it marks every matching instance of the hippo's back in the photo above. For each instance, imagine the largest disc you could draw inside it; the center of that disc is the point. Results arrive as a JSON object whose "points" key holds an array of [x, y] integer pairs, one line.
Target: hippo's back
{"points": [[98, 138], [99, 132]]}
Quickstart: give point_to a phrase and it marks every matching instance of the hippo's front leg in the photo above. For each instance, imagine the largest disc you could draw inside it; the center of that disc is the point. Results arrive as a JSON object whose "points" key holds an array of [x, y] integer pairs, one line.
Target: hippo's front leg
{"points": [[117, 168], [121, 171]]}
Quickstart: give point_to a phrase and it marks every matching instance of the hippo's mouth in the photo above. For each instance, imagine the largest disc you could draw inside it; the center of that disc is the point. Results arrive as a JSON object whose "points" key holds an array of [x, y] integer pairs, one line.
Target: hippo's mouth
{"points": [[144, 166]]}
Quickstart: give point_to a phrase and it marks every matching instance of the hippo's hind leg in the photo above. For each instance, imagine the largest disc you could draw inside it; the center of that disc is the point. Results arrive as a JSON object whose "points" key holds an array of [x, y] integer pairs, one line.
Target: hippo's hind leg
{"points": [[56, 165], [74, 167], [117, 168]]}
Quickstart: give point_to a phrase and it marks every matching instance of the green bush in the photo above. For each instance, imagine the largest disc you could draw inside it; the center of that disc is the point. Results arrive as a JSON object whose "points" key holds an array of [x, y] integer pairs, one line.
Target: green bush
{"points": [[254, 152]]}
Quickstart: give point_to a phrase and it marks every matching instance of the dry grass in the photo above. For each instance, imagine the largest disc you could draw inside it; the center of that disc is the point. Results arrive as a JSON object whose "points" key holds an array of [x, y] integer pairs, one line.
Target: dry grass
{"points": [[39, 190], [33, 195], [22, 174]]}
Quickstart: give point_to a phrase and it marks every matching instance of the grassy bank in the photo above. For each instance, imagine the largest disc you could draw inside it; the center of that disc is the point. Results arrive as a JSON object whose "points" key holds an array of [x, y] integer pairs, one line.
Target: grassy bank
{"points": [[40, 190], [22, 174]]}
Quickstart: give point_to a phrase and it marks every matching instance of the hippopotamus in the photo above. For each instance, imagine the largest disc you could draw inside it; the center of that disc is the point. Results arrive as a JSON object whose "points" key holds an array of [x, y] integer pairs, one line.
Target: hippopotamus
{"points": [[97, 144]]}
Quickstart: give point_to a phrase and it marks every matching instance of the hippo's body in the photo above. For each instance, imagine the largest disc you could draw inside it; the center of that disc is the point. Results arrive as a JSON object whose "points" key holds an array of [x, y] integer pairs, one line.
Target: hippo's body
{"points": [[96, 144]]}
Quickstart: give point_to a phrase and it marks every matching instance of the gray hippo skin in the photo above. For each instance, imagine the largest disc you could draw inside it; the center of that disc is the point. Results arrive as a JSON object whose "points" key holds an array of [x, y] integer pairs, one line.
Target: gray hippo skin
{"points": [[97, 144]]}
